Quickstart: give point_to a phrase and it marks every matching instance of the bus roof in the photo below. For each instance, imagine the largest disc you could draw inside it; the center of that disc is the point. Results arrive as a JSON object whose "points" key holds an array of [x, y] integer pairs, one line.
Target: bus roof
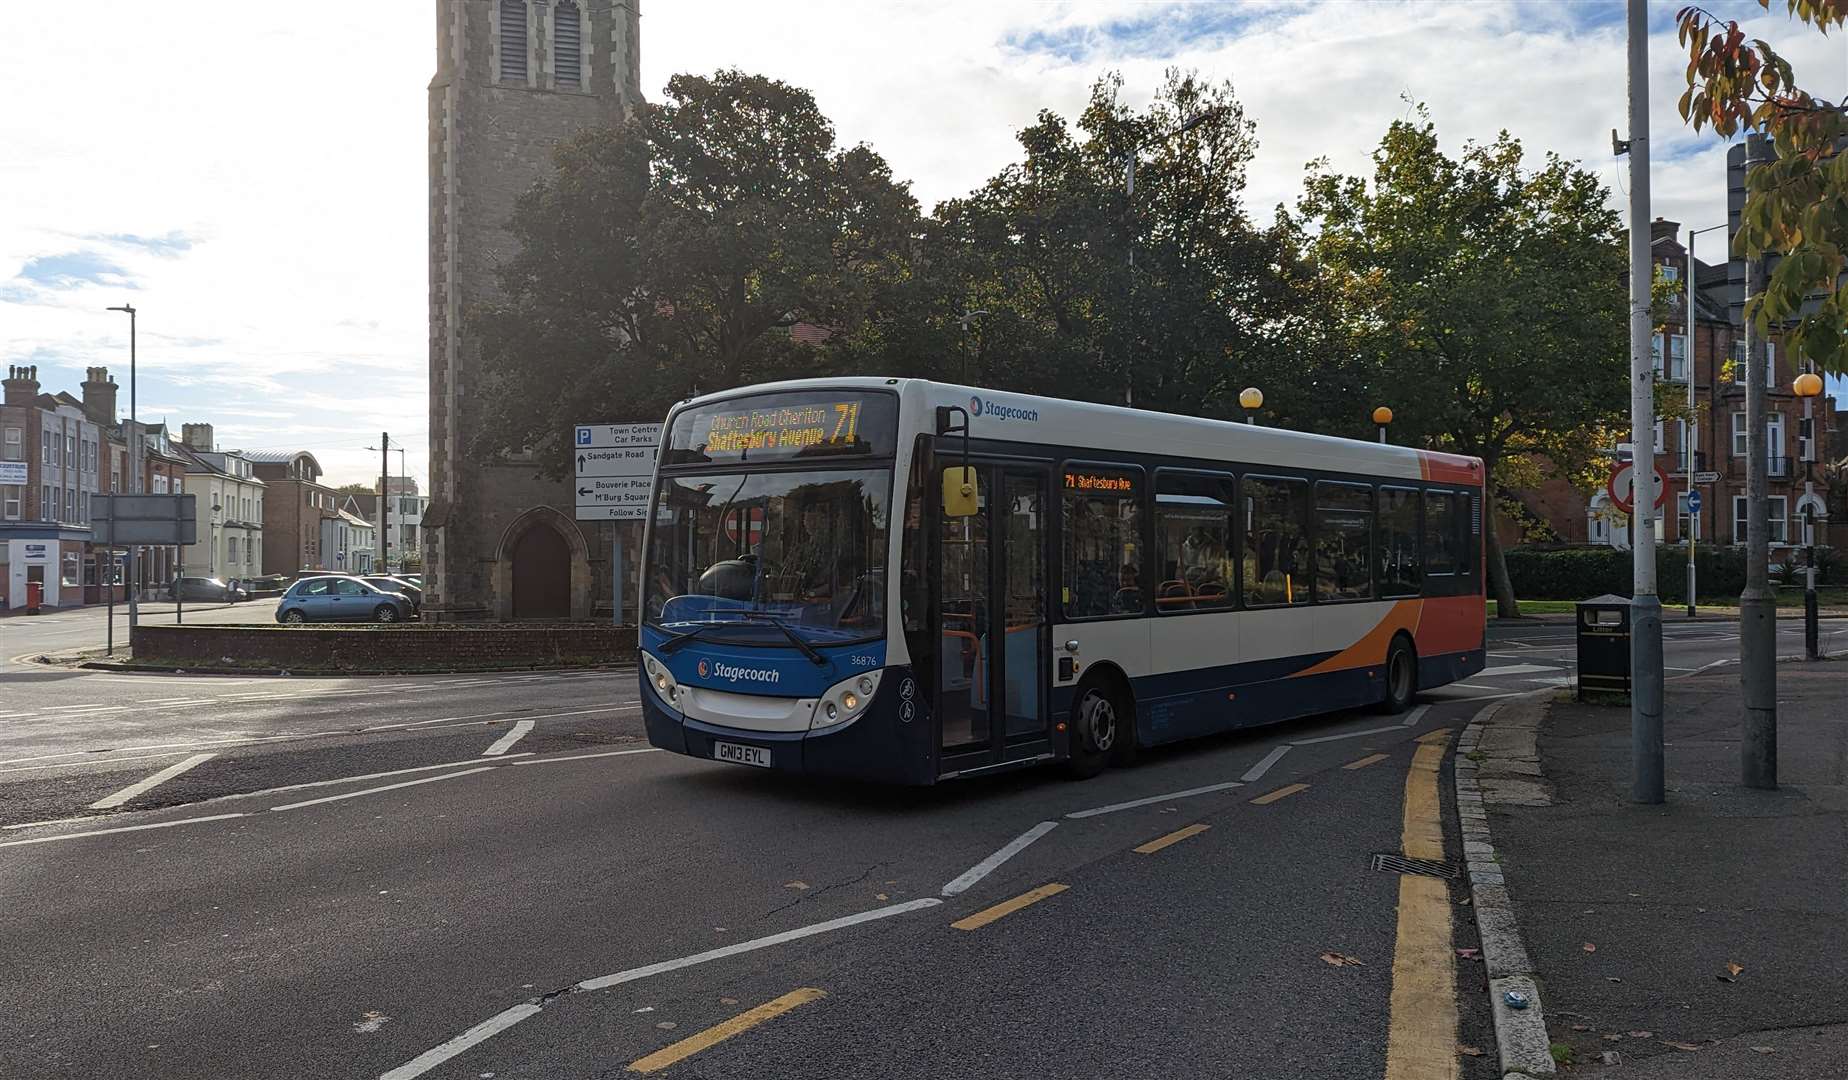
{"points": [[1030, 418]]}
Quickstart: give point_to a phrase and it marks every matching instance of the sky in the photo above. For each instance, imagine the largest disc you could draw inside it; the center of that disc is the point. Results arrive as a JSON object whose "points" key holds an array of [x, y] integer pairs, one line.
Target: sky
{"points": [[257, 186]]}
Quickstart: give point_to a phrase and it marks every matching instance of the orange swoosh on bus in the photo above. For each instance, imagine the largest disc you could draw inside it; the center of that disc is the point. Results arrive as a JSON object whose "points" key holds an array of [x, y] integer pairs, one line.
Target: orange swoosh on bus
{"points": [[1371, 648]]}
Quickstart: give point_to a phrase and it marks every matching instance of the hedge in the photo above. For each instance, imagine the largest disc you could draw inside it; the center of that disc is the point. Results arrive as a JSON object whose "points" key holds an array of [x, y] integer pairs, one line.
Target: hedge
{"points": [[1580, 573]]}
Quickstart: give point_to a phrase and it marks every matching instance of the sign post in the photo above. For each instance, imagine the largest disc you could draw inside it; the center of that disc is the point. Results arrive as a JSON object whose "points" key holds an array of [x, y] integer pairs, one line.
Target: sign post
{"points": [[1694, 503], [614, 481], [131, 520]]}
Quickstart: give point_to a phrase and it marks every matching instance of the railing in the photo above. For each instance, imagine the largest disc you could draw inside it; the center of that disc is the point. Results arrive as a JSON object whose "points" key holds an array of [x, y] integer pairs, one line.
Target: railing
{"points": [[1777, 466]]}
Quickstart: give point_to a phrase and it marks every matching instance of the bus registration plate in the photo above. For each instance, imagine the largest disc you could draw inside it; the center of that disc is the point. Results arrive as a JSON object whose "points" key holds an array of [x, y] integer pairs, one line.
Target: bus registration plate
{"points": [[742, 755]]}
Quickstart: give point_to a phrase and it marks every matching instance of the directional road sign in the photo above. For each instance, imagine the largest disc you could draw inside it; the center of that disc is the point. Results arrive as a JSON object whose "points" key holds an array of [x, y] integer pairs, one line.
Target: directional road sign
{"points": [[615, 470], [1694, 501]]}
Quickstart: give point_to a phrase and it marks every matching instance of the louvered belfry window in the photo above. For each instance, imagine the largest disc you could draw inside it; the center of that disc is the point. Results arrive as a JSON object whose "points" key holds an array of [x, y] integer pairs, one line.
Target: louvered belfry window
{"points": [[513, 41], [566, 37]]}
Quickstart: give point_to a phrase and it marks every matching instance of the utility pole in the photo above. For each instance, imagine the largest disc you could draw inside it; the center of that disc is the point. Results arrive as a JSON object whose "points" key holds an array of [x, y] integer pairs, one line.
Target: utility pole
{"points": [[384, 566], [1757, 606], [1692, 439], [1646, 779]]}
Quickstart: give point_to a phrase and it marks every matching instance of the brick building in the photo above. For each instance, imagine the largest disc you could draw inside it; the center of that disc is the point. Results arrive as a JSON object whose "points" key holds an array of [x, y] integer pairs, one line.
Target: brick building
{"points": [[295, 507], [228, 513], [1714, 444], [514, 78]]}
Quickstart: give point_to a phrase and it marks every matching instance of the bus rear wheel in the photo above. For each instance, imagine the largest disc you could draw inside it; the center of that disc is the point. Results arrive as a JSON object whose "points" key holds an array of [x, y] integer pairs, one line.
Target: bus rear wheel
{"points": [[1100, 729], [1401, 676]]}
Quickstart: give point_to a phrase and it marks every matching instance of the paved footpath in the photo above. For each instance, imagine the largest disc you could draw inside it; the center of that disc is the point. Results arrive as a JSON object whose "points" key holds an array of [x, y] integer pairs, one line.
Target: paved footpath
{"points": [[1705, 937]]}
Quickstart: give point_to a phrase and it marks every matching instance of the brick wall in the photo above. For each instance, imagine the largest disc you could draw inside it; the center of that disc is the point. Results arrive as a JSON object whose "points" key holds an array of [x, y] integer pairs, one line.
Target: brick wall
{"points": [[306, 650]]}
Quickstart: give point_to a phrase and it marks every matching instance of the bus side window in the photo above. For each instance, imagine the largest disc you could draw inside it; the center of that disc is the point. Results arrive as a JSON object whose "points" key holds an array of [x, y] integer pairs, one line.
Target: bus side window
{"points": [[1102, 540], [1401, 571], [1343, 538], [1276, 541], [1442, 526]]}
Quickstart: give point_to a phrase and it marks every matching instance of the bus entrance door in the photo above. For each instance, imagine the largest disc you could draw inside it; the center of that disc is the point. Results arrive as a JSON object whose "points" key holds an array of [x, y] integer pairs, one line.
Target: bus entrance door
{"points": [[993, 623]]}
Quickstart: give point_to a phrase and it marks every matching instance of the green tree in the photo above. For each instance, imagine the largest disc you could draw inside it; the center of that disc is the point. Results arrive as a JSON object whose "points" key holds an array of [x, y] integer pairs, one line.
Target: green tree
{"points": [[357, 489], [1482, 300], [1044, 248], [675, 253], [1796, 205]]}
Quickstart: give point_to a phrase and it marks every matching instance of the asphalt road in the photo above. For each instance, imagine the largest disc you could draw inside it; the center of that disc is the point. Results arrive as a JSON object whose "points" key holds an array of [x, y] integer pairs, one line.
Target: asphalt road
{"points": [[532, 892]]}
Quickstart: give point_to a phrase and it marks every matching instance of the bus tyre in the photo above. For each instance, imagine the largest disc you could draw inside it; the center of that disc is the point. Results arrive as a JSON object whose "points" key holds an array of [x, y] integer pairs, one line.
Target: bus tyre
{"points": [[1100, 725], [1401, 676]]}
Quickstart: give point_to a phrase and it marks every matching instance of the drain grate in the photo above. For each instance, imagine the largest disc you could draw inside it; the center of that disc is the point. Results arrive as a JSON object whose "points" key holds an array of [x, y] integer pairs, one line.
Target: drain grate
{"points": [[1399, 864]]}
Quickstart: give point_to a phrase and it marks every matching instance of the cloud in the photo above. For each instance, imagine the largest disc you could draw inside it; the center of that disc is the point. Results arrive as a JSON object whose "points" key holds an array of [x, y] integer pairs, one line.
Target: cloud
{"points": [[173, 243], [74, 268]]}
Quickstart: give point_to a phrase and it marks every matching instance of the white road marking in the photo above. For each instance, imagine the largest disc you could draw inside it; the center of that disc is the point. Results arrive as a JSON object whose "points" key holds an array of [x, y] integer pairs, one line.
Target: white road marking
{"points": [[1514, 669], [386, 787], [52, 821], [587, 757], [363, 776], [141, 786], [505, 1019], [119, 829], [604, 982], [505, 742], [1018, 844], [93, 760], [481, 1032], [1345, 735], [1253, 774], [1412, 718], [83, 708], [504, 715], [1152, 799]]}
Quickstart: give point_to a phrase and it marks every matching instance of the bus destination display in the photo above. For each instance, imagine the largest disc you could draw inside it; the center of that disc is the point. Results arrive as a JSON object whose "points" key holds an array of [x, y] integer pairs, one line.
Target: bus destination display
{"points": [[1099, 483], [784, 427]]}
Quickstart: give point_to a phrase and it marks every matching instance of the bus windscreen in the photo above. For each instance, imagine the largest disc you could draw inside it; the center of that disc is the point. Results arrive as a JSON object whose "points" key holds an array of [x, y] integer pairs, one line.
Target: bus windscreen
{"points": [[803, 424]]}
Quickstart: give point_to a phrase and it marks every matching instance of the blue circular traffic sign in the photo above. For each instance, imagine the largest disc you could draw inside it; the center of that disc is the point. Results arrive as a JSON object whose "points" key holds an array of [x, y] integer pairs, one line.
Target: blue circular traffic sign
{"points": [[1694, 500]]}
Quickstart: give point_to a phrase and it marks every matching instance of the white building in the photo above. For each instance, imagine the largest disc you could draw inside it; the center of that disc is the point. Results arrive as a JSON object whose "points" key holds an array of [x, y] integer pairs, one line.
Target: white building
{"points": [[228, 509], [404, 519], [348, 542]]}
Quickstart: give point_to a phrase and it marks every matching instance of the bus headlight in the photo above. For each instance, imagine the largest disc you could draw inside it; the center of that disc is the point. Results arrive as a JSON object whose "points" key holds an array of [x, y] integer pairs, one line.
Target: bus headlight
{"points": [[845, 700], [660, 679]]}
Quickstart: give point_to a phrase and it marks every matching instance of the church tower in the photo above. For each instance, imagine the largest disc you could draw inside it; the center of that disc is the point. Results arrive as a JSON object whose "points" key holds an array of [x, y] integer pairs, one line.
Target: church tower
{"points": [[513, 78]]}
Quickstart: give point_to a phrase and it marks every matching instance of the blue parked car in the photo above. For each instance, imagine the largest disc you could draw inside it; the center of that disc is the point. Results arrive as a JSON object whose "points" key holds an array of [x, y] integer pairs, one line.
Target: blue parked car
{"points": [[340, 599]]}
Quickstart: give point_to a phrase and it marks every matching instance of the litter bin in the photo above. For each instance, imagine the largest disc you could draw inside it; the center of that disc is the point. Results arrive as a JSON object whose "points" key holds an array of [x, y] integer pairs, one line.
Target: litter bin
{"points": [[35, 596], [1604, 645]]}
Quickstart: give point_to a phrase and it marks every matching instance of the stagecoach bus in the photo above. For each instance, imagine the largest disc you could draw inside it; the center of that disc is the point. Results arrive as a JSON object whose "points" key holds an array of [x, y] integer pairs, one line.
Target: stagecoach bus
{"points": [[907, 581]]}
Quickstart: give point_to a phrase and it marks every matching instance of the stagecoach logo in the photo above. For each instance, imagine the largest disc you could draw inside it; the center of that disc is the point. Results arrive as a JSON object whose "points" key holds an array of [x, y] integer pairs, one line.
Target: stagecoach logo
{"points": [[732, 673], [978, 407]]}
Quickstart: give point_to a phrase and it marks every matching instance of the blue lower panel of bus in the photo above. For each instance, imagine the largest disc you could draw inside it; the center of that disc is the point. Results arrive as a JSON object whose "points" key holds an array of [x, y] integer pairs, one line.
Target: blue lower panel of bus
{"points": [[1206, 701], [890, 742]]}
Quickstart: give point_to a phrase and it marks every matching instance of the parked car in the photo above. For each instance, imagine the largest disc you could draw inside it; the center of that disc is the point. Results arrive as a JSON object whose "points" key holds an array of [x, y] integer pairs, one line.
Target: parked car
{"points": [[340, 599], [205, 589], [415, 579], [398, 585]]}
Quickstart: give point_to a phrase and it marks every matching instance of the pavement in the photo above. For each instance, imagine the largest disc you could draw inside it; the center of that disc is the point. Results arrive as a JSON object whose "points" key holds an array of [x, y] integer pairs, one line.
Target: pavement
{"points": [[1703, 937], [472, 875]]}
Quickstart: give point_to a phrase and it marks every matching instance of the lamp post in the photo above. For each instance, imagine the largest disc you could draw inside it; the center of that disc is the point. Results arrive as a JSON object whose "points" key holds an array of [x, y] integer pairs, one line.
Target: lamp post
{"points": [[1251, 399], [1693, 424], [968, 317], [1382, 416], [1808, 386], [134, 471], [384, 492], [1129, 202]]}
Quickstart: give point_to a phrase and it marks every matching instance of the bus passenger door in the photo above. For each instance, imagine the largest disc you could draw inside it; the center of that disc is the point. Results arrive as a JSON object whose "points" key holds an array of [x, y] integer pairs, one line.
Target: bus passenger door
{"points": [[993, 623]]}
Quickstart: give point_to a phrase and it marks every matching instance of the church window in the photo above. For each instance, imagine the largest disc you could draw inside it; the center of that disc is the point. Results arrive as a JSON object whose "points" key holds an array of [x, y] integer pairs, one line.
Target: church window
{"points": [[566, 40], [513, 41]]}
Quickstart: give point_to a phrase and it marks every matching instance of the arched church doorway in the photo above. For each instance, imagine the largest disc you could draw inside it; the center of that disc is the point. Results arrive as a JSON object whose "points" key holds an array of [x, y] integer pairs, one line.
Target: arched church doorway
{"points": [[541, 574]]}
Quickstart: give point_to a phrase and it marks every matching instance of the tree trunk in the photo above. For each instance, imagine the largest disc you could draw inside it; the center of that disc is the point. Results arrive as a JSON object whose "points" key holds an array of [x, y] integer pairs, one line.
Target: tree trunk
{"points": [[1506, 606]]}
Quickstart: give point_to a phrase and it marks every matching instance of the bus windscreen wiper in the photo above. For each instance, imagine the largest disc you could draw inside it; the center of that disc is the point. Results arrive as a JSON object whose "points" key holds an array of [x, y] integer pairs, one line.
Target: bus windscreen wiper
{"points": [[678, 640], [808, 650]]}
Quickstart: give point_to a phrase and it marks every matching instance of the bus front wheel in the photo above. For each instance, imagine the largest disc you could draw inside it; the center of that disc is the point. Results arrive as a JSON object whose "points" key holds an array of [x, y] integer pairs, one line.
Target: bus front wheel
{"points": [[1101, 729], [1401, 676]]}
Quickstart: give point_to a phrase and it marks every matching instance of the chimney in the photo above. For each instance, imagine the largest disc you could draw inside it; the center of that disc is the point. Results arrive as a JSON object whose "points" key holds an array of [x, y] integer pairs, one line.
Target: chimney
{"points": [[22, 385], [196, 436], [1664, 229], [99, 396]]}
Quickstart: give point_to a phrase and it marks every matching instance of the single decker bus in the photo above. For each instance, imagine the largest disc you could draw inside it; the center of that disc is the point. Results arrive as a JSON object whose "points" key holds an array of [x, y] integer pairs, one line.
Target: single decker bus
{"points": [[909, 581]]}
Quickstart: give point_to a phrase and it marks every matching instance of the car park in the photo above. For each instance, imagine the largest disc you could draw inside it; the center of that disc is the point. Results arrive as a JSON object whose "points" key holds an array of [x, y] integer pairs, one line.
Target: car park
{"points": [[337, 598]]}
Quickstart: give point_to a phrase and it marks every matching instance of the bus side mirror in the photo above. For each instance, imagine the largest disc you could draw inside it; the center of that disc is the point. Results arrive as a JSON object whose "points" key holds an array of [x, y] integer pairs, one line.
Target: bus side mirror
{"points": [[959, 492]]}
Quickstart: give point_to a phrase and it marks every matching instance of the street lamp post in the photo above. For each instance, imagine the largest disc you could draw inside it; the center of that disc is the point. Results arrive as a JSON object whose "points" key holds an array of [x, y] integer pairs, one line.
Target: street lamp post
{"points": [[1251, 399], [1808, 386], [1693, 426], [968, 317], [1382, 416], [134, 472], [1129, 202]]}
